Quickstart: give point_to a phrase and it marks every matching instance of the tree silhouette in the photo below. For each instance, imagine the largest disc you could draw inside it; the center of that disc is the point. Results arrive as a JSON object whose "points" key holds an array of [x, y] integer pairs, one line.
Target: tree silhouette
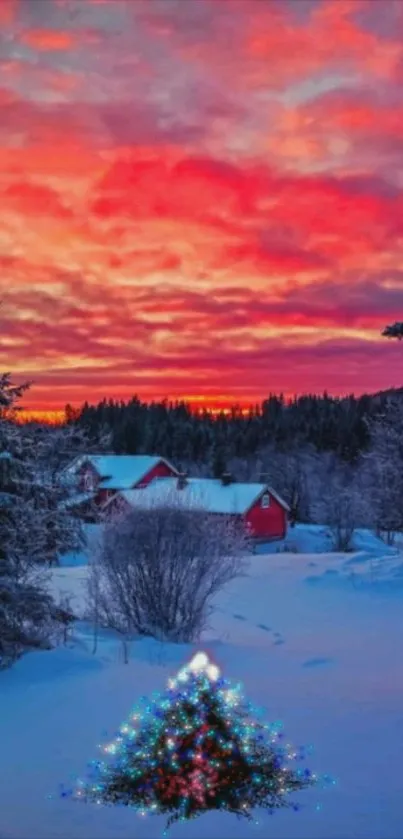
{"points": [[394, 330]]}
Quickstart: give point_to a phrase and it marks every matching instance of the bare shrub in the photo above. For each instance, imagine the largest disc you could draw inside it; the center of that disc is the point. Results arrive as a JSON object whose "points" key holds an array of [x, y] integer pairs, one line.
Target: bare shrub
{"points": [[343, 509], [157, 570], [64, 616]]}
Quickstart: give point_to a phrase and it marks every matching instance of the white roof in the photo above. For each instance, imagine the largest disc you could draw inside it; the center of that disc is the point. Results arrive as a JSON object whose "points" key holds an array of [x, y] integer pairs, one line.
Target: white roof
{"points": [[279, 499], [208, 494], [120, 471]]}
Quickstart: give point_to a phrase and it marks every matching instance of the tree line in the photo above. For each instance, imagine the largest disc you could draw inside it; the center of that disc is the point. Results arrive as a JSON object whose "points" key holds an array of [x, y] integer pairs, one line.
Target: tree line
{"points": [[337, 462], [174, 430], [330, 458], [198, 438]]}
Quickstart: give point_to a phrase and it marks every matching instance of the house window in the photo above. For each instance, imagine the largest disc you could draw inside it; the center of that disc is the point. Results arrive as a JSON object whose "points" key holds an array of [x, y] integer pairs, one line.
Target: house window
{"points": [[88, 481], [265, 501]]}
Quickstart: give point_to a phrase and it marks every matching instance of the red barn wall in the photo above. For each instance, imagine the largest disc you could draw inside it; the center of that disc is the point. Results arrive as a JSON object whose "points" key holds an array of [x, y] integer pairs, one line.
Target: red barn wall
{"points": [[117, 506], [269, 522], [264, 523], [160, 470], [103, 495]]}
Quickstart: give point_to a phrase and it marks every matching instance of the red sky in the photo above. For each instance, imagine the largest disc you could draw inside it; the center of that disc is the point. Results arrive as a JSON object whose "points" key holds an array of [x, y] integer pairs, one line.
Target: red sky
{"points": [[200, 197]]}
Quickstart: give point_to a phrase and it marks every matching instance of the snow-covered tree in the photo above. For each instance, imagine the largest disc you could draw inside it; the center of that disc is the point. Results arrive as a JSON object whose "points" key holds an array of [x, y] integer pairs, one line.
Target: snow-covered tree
{"points": [[382, 469], [36, 523], [55, 446], [296, 475], [32, 530], [43, 496], [341, 506]]}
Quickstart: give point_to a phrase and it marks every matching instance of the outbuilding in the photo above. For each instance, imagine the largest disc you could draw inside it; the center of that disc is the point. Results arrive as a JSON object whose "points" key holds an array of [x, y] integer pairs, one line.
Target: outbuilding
{"points": [[264, 512], [98, 478]]}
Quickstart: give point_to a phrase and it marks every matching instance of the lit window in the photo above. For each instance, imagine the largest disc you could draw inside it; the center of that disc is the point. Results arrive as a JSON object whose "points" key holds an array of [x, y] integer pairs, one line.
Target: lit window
{"points": [[265, 501], [88, 481]]}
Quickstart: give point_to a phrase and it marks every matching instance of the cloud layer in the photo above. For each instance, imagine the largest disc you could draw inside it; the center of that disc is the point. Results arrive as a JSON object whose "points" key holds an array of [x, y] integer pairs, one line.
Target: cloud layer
{"points": [[200, 199]]}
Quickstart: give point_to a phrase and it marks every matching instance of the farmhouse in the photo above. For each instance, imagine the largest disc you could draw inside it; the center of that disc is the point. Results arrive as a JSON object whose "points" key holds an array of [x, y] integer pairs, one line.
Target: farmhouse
{"points": [[260, 507], [99, 477]]}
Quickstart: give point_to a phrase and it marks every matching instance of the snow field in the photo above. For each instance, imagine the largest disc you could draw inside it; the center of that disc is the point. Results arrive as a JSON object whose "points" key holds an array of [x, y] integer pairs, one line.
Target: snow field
{"points": [[318, 650]]}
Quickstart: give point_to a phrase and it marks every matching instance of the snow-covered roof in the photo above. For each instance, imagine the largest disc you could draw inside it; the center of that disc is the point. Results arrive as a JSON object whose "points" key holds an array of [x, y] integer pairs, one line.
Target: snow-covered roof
{"points": [[208, 494], [279, 499], [120, 471]]}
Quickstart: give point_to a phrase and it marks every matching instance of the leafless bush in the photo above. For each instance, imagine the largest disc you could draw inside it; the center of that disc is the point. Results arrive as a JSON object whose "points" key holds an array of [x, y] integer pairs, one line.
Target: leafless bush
{"points": [[343, 508], [296, 474], [64, 616], [158, 569]]}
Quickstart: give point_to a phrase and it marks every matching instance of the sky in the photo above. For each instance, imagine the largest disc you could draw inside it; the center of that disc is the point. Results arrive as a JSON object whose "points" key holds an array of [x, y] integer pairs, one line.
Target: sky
{"points": [[200, 199]]}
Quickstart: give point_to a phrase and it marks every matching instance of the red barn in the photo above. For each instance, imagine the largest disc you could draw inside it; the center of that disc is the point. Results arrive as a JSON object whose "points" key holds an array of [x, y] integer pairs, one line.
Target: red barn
{"points": [[99, 477], [261, 508]]}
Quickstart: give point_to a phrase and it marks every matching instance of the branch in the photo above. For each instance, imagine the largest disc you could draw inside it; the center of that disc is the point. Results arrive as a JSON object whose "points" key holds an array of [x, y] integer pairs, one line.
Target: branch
{"points": [[394, 330]]}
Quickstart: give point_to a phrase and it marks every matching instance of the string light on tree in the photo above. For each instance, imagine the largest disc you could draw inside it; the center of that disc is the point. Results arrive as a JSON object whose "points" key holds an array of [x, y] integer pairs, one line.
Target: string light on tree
{"points": [[197, 747]]}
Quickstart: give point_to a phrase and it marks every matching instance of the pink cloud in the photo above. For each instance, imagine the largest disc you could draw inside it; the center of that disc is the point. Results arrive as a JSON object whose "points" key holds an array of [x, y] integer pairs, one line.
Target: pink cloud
{"points": [[175, 179]]}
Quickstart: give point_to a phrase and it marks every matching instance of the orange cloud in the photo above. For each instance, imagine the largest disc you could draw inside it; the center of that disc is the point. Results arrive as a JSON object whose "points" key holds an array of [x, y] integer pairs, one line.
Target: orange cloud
{"points": [[47, 40], [34, 199]]}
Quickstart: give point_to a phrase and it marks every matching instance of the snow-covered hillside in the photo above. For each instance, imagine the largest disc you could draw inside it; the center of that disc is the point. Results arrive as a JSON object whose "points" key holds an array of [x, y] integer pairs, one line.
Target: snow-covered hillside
{"points": [[315, 639], [372, 565]]}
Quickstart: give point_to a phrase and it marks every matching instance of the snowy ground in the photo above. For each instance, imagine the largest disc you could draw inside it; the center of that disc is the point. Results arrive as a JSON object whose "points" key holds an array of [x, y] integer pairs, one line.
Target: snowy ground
{"points": [[315, 639]]}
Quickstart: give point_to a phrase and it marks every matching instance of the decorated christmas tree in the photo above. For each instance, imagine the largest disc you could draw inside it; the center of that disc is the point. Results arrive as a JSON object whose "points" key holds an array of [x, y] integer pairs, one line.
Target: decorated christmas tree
{"points": [[197, 747]]}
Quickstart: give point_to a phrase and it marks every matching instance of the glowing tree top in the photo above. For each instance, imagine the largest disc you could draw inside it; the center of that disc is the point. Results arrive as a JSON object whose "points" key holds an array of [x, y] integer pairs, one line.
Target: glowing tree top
{"points": [[197, 747]]}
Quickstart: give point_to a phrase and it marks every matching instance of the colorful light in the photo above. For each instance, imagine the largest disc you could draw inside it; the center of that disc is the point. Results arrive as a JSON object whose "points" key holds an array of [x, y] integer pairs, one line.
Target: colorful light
{"points": [[196, 747]]}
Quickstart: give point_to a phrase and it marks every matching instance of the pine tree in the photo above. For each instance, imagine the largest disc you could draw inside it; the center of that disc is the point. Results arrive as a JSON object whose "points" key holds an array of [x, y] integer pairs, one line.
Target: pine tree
{"points": [[9, 394], [394, 330], [25, 607], [218, 460], [383, 471], [198, 747], [35, 523], [32, 530]]}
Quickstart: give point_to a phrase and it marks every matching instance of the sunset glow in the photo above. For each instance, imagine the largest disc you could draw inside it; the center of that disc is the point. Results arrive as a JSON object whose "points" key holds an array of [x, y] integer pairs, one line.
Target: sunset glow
{"points": [[200, 198]]}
